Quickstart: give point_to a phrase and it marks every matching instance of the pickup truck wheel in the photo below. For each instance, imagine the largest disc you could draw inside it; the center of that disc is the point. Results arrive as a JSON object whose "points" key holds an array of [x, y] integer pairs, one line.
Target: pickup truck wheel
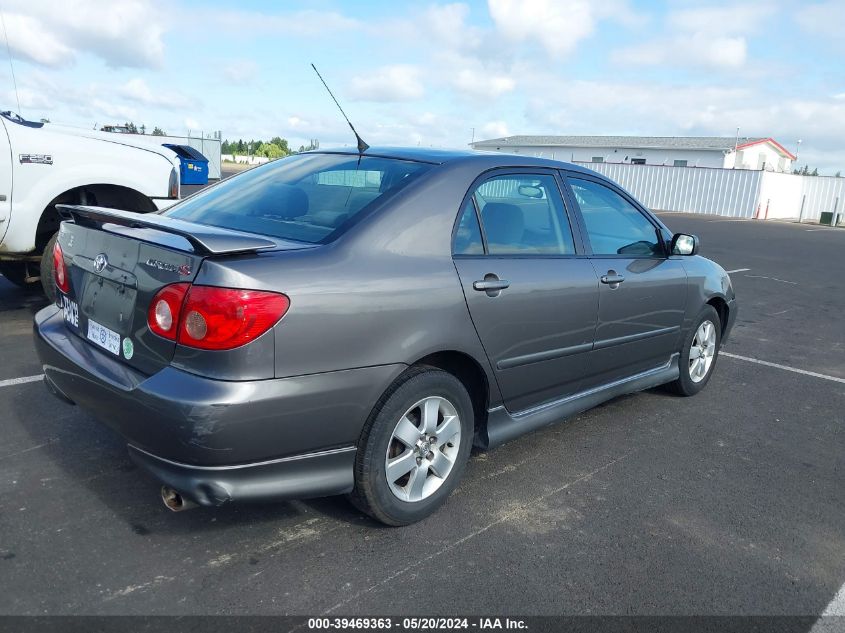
{"points": [[414, 448], [48, 282], [14, 272]]}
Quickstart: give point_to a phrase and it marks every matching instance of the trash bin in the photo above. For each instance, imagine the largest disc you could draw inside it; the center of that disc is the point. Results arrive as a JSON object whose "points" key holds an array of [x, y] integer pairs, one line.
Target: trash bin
{"points": [[826, 218], [193, 167]]}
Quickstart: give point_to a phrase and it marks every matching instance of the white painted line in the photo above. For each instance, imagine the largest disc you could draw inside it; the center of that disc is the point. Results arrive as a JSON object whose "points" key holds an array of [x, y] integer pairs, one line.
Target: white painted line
{"points": [[835, 608], [783, 281], [738, 270], [785, 367], [837, 605], [20, 381]]}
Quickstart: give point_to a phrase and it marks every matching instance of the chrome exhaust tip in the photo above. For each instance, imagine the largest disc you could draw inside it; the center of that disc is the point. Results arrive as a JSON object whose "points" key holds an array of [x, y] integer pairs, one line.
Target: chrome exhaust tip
{"points": [[174, 501]]}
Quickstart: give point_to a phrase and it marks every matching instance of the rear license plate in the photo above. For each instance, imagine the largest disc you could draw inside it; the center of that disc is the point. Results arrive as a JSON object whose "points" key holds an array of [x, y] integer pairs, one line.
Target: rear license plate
{"points": [[104, 337]]}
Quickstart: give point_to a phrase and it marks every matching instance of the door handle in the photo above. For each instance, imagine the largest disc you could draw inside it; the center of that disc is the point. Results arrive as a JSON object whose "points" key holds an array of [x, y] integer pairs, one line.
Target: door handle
{"points": [[491, 284], [612, 279]]}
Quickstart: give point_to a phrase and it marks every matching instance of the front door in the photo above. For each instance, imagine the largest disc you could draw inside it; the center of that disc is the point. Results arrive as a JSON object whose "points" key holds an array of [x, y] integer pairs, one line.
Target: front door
{"points": [[532, 295], [642, 292], [5, 181]]}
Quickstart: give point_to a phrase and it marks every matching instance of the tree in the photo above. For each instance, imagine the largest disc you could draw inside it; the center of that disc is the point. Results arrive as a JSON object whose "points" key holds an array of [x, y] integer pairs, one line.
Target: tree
{"points": [[838, 174], [157, 131], [271, 151], [815, 171], [142, 129]]}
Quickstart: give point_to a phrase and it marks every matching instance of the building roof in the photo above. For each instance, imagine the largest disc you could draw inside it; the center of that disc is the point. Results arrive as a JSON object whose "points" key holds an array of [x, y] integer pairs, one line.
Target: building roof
{"points": [[632, 142]]}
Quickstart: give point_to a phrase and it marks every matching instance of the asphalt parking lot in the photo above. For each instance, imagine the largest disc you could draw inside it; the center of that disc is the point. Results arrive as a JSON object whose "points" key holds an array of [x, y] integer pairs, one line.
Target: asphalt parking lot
{"points": [[730, 502]]}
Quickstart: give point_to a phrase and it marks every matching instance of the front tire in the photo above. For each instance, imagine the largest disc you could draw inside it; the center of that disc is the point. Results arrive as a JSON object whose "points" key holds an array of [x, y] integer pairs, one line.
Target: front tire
{"points": [[414, 448], [699, 353]]}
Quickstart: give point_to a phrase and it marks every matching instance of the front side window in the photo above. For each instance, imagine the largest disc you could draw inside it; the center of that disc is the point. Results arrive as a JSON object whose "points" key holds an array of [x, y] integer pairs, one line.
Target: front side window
{"points": [[614, 225], [306, 198], [523, 214]]}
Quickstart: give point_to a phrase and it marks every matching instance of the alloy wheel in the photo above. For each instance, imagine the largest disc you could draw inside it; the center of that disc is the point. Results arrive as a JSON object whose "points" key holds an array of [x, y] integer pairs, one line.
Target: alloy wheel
{"points": [[702, 351], [423, 448]]}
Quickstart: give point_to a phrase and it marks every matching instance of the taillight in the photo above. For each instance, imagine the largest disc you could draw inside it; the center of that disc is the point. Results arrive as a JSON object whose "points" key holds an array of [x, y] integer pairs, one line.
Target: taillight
{"points": [[225, 318], [59, 269], [173, 184], [213, 318], [165, 308]]}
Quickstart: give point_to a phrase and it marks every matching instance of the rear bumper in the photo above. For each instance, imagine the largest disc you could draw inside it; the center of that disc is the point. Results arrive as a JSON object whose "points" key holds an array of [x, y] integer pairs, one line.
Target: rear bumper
{"points": [[215, 440], [297, 477]]}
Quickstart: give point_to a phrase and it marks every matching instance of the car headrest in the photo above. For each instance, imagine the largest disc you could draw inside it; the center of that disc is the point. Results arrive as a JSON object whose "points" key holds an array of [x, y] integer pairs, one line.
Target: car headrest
{"points": [[504, 223], [290, 201]]}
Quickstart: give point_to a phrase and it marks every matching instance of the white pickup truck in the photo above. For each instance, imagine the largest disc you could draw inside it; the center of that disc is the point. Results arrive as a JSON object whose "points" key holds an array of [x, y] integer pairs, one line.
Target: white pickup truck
{"points": [[44, 165]]}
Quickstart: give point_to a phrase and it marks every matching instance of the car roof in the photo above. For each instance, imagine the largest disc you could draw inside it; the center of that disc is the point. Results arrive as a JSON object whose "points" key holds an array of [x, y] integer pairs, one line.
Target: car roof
{"points": [[444, 156]]}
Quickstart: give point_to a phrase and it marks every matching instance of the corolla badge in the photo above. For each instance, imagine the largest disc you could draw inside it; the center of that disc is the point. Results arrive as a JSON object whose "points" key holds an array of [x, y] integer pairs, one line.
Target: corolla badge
{"points": [[100, 262], [183, 270]]}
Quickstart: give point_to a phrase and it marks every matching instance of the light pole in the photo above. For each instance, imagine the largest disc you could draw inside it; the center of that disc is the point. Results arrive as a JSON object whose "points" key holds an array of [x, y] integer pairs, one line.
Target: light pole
{"points": [[797, 149]]}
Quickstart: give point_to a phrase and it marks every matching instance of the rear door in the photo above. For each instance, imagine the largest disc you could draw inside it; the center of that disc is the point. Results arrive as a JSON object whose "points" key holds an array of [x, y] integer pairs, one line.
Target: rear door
{"points": [[531, 291], [642, 291]]}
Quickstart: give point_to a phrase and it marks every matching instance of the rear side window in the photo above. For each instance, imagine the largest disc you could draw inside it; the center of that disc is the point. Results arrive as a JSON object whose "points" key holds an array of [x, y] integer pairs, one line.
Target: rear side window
{"points": [[614, 225], [468, 234], [523, 214], [307, 198]]}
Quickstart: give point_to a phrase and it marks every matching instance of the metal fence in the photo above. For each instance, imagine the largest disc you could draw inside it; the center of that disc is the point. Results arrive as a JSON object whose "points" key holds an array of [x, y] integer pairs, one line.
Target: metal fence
{"points": [[737, 193]]}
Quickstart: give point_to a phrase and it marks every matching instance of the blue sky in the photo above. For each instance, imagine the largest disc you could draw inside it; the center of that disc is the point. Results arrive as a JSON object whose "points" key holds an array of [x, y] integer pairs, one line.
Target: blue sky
{"points": [[429, 73]]}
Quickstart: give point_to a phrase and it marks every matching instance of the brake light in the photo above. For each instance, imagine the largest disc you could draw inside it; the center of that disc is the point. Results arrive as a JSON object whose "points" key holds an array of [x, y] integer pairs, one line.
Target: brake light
{"points": [[165, 308], [173, 184], [207, 317], [59, 269], [225, 318]]}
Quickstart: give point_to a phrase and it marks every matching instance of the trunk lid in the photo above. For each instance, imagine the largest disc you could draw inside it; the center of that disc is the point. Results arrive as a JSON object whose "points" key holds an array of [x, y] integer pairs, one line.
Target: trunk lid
{"points": [[117, 261]]}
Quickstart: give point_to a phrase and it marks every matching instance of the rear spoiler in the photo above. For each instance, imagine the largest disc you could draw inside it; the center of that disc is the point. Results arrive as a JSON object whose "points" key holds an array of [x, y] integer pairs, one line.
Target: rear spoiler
{"points": [[205, 240]]}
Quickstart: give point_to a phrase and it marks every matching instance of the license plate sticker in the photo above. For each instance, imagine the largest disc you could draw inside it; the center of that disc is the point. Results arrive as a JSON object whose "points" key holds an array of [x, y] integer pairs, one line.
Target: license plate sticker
{"points": [[70, 310], [104, 337]]}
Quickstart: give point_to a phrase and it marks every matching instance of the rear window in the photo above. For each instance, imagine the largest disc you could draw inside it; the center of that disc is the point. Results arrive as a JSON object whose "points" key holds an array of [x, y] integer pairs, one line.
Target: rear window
{"points": [[307, 198]]}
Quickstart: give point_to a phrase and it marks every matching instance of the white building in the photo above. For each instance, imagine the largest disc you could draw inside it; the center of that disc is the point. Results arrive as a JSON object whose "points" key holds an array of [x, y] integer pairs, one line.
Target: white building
{"points": [[678, 151]]}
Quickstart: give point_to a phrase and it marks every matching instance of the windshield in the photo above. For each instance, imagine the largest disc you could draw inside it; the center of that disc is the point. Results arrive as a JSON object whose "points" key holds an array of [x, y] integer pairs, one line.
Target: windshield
{"points": [[307, 198]]}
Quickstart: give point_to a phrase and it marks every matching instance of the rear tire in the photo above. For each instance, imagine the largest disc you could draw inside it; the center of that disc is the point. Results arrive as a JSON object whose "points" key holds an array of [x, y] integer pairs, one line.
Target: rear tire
{"points": [[48, 281], [15, 272], [699, 353], [422, 425]]}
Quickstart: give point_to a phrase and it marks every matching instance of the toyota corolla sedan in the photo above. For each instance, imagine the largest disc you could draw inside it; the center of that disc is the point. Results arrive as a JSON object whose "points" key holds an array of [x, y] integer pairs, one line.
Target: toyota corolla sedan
{"points": [[345, 323]]}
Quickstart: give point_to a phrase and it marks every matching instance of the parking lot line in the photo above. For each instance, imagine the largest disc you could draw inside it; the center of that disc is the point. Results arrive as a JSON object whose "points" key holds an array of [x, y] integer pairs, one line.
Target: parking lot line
{"points": [[20, 381], [784, 367], [738, 270], [504, 517]]}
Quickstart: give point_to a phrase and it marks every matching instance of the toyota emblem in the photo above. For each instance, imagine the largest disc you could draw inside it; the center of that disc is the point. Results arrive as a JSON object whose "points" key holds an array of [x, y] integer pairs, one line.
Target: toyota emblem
{"points": [[100, 262]]}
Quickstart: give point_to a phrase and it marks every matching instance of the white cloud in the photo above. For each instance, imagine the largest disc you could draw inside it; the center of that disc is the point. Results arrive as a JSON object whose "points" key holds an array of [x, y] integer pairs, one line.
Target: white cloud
{"points": [[138, 91], [694, 49], [307, 23], [559, 25], [240, 71], [479, 82], [125, 34], [494, 129], [710, 36], [400, 82], [192, 124]]}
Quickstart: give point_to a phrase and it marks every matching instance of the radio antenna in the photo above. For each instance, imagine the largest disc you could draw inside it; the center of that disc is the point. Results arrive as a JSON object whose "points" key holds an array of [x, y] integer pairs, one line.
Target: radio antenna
{"points": [[362, 146], [11, 65]]}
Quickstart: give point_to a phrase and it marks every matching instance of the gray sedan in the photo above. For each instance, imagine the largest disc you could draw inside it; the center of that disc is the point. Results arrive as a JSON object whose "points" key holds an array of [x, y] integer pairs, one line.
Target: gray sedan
{"points": [[338, 322]]}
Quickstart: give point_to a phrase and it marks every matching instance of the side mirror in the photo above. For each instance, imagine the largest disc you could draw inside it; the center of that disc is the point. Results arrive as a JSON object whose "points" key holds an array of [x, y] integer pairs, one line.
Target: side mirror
{"points": [[683, 244]]}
